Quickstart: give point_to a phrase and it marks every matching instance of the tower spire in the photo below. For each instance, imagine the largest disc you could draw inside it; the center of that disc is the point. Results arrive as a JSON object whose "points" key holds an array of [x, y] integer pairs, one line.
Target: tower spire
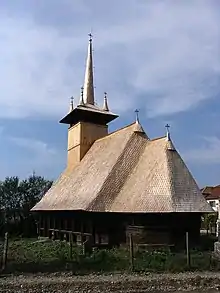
{"points": [[137, 115], [105, 104], [88, 93], [71, 104], [81, 101], [168, 131], [170, 145]]}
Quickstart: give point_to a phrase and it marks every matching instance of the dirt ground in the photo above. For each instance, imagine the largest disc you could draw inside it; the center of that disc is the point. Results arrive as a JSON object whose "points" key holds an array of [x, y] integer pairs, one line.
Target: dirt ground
{"points": [[66, 282]]}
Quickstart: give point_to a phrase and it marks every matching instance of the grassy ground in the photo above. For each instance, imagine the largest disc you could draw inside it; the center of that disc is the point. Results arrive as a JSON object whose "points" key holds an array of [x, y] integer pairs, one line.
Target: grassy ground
{"points": [[30, 255]]}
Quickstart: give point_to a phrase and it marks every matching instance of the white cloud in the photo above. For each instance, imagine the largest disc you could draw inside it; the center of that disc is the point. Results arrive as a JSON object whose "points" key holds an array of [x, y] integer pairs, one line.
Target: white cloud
{"points": [[160, 55], [36, 147], [31, 75], [207, 153], [40, 157]]}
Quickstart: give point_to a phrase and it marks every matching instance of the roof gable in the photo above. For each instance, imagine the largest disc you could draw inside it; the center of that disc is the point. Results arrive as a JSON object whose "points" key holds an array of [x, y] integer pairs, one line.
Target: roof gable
{"points": [[78, 189]]}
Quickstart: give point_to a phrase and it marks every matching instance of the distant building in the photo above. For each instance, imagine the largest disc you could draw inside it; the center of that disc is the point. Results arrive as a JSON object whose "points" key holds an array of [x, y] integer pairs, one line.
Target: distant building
{"points": [[118, 181], [212, 195]]}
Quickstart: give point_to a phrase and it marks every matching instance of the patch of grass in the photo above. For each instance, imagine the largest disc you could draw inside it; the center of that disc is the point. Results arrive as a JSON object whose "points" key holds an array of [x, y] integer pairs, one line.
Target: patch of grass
{"points": [[30, 255], [207, 242], [165, 261], [105, 261], [27, 250]]}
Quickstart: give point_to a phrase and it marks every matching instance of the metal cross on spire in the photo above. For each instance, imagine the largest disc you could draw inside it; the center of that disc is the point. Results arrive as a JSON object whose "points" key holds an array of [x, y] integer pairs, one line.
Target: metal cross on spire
{"points": [[90, 37], [137, 115], [167, 127]]}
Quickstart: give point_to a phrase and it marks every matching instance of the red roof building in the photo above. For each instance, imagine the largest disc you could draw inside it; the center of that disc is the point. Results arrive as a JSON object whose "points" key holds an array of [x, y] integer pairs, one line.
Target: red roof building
{"points": [[212, 195]]}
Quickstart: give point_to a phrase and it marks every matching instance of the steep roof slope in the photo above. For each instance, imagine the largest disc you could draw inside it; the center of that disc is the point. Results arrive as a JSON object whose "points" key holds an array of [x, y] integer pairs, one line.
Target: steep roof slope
{"points": [[127, 172], [80, 188], [148, 187], [160, 182]]}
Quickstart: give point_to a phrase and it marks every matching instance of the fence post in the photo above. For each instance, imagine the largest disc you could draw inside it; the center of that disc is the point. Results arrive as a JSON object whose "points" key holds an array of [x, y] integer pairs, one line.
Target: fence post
{"points": [[131, 252], [5, 252], [71, 246], [187, 249], [53, 235]]}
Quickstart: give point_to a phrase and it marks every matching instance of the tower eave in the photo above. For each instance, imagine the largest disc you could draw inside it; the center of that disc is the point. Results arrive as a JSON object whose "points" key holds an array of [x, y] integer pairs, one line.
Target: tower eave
{"points": [[87, 115]]}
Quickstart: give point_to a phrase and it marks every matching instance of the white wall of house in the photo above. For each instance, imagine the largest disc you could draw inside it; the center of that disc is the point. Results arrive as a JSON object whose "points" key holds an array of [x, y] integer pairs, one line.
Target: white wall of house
{"points": [[214, 203]]}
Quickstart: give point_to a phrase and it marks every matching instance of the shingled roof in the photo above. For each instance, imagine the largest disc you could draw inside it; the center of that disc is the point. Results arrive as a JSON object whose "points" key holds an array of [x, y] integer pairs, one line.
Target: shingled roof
{"points": [[127, 172], [211, 192]]}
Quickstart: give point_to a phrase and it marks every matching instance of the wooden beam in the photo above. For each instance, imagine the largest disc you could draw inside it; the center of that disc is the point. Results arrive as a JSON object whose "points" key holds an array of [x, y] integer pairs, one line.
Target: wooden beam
{"points": [[131, 251]]}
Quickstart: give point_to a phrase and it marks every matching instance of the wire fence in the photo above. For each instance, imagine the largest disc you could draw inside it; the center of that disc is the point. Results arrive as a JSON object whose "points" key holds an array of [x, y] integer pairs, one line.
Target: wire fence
{"points": [[46, 255]]}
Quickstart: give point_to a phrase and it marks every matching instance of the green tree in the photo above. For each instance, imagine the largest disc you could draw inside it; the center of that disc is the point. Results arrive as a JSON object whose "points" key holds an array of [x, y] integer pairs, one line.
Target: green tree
{"points": [[17, 198], [209, 221], [9, 193], [32, 190]]}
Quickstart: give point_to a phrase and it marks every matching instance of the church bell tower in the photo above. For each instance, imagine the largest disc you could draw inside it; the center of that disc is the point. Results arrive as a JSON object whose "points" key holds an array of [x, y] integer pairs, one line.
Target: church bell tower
{"points": [[87, 121]]}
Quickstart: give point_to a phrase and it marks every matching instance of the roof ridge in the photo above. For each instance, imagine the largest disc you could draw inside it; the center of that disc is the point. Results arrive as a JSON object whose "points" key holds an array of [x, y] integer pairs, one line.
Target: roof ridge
{"points": [[157, 138], [171, 179], [205, 187], [169, 143], [116, 131]]}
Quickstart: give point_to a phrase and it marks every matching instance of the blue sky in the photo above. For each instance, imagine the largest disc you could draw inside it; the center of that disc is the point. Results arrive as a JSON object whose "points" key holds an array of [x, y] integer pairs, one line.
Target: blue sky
{"points": [[161, 57]]}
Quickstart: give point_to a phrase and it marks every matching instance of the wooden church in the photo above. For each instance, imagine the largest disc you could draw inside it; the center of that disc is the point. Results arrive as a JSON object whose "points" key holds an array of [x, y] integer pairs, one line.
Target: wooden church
{"points": [[119, 182]]}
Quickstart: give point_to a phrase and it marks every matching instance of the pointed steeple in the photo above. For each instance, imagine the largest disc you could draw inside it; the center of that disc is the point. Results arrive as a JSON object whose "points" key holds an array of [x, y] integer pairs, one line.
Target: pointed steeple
{"points": [[137, 116], [105, 104], [168, 132], [137, 125], [86, 110], [170, 145], [71, 104], [88, 94], [81, 101]]}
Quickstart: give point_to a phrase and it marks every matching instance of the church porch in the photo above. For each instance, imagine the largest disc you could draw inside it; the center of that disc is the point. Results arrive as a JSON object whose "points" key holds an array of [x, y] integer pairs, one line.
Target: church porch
{"points": [[113, 229]]}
